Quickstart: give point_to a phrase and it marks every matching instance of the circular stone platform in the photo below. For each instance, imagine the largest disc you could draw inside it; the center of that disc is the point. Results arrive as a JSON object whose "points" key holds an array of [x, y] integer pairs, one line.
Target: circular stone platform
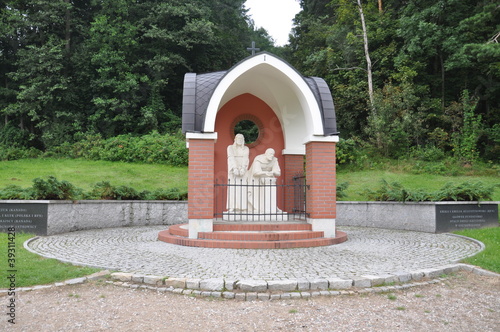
{"points": [[369, 251]]}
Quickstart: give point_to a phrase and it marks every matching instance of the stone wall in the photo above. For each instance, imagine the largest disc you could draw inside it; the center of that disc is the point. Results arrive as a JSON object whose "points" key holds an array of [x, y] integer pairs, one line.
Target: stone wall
{"points": [[68, 216], [412, 216], [390, 215]]}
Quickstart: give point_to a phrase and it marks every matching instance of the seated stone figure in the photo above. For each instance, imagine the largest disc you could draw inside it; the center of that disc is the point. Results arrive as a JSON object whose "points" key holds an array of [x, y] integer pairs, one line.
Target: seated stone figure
{"points": [[262, 180], [265, 167]]}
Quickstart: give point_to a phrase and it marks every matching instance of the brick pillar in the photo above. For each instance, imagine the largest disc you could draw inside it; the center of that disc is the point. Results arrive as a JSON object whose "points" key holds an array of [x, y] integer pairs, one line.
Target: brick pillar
{"points": [[201, 185], [321, 177], [294, 164]]}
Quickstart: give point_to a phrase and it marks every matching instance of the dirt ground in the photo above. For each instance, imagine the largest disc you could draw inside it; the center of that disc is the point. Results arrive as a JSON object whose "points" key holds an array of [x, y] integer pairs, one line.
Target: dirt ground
{"points": [[463, 302]]}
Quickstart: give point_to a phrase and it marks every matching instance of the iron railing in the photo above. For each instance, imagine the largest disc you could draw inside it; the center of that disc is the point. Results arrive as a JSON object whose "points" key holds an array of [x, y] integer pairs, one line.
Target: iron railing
{"points": [[261, 200]]}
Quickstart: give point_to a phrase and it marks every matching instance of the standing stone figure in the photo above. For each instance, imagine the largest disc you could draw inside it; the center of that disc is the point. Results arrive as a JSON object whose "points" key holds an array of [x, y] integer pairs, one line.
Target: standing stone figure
{"points": [[263, 172], [237, 166]]}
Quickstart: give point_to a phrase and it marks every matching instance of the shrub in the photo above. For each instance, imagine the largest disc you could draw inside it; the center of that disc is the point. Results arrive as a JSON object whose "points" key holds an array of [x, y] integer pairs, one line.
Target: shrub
{"points": [[54, 189], [492, 145], [13, 136], [341, 188], [396, 192], [438, 168], [104, 190], [172, 194], [101, 190], [465, 140], [88, 148], [428, 153], [15, 153], [346, 151], [153, 148], [15, 192], [466, 191], [395, 121], [351, 152], [127, 193]]}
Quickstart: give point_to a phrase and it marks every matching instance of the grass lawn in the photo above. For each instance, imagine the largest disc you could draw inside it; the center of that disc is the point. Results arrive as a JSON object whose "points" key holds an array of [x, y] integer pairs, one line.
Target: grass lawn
{"points": [[85, 174], [371, 179], [489, 258], [32, 269]]}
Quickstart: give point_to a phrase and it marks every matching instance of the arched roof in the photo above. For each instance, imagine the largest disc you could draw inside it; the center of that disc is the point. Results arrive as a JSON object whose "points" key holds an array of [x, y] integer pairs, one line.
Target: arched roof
{"points": [[304, 105]]}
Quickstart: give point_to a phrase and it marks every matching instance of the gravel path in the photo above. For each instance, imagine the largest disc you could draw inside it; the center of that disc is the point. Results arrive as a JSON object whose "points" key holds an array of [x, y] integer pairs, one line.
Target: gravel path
{"points": [[463, 302]]}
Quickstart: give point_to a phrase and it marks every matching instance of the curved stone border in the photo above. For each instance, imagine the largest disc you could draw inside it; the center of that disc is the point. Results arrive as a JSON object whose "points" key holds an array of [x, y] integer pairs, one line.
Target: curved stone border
{"points": [[75, 281], [479, 243], [261, 289], [72, 262], [160, 284]]}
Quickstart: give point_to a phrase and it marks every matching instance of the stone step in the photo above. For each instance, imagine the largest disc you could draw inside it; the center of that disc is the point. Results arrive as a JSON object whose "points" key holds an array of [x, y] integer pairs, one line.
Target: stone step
{"points": [[182, 230], [165, 236], [260, 236], [253, 236], [261, 227]]}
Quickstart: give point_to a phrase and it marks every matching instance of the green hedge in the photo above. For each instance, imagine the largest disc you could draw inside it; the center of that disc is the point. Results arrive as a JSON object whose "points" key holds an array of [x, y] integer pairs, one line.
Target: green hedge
{"points": [[466, 191], [53, 189], [16, 153], [153, 148]]}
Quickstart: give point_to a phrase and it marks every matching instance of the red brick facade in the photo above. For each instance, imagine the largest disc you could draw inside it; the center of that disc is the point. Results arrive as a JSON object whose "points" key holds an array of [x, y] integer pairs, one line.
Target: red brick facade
{"points": [[321, 176], [294, 165], [201, 179], [320, 169]]}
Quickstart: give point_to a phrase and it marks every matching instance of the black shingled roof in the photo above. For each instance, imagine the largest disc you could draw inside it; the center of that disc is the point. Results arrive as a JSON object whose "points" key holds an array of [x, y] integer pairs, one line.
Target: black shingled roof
{"points": [[199, 88]]}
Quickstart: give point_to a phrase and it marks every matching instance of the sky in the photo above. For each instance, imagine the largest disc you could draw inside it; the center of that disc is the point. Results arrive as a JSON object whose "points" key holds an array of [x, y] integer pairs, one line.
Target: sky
{"points": [[275, 16]]}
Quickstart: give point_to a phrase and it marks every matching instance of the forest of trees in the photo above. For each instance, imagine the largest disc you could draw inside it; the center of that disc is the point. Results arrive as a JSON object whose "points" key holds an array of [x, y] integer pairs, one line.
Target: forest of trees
{"points": [[404, 74], [76, 67]]}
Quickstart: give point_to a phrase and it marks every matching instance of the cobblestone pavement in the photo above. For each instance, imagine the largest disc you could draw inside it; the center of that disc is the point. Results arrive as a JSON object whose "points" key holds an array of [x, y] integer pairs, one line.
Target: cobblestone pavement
{"points": [[369, 251]]}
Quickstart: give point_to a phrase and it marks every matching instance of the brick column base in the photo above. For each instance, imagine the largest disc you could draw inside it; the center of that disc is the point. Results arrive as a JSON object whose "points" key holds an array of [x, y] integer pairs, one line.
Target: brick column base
{"points": [[322, 195], [201, 186]]}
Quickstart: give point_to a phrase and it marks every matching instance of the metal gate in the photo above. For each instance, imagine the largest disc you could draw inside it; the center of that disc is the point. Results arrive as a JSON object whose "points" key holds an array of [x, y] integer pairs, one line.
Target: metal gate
{"points": [[255, 201]]}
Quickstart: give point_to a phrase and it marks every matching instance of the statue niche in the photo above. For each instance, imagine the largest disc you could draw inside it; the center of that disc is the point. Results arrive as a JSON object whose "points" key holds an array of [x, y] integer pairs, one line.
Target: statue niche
{"points": [[252, 193]]}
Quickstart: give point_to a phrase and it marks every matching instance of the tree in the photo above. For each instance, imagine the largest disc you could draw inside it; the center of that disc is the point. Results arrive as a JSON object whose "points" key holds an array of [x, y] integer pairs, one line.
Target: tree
{"points": [[467, 129], [71, 67], [367, 56], [421, 54], [39, 67], [116, 84], [335, 46]]}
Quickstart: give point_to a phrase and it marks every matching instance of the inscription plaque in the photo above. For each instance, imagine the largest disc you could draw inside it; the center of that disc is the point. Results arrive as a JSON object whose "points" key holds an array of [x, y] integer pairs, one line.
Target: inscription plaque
{"points": [[25, 217], [453, 217]]}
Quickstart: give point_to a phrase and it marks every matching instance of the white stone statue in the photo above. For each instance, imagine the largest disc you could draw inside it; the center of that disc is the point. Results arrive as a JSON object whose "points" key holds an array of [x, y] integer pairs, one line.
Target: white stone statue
{"points": [[237, 166], [263, 172]]}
